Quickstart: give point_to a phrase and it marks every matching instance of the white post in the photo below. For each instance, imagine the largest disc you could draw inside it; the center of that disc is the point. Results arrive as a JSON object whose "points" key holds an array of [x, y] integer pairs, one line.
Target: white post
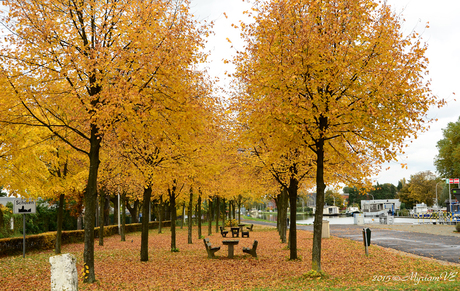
{"points": [[64, 274]]}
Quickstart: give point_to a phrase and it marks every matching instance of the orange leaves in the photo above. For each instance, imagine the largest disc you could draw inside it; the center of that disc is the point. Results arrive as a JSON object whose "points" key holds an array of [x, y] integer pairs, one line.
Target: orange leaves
{"points": [[343, 61], [344, 262]]}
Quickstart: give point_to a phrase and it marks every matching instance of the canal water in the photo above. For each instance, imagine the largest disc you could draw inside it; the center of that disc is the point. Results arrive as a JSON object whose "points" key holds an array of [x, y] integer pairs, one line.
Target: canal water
{"points": [[308, 219]]}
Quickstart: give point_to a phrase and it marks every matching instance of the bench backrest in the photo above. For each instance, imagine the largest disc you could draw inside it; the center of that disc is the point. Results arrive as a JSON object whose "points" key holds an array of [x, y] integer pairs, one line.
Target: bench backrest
{"points": [[206, 242], [254, 245]]}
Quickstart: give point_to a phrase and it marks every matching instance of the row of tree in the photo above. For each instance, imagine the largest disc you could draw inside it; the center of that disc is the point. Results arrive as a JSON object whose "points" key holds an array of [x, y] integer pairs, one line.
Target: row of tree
{"points": [[327, 91], [107, 97]]}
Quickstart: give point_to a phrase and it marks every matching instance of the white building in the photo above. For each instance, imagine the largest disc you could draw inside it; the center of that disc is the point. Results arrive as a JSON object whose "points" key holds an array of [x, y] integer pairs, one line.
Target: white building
{"points": [[380, 205]]}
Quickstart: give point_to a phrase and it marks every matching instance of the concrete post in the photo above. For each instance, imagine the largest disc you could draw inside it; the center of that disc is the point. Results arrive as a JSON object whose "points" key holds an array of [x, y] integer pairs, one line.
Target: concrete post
{"points": [[64, 275]]}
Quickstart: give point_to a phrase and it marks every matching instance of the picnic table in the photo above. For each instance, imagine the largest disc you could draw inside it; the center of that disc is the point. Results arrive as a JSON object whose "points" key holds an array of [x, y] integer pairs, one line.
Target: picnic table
{"points": [[231, 244]]}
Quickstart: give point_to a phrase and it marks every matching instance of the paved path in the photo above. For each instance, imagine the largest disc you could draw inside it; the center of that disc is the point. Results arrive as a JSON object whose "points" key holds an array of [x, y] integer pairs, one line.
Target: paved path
{"points": [[439, 247]]}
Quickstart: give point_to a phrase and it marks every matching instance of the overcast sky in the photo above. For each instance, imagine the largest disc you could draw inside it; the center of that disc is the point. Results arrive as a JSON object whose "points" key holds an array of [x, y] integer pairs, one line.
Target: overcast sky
{"points": [[443, 39]]}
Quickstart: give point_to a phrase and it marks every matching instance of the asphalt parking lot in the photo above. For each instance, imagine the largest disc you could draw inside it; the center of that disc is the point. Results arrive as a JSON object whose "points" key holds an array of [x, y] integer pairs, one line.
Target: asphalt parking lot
{"points": [[439, 247]]}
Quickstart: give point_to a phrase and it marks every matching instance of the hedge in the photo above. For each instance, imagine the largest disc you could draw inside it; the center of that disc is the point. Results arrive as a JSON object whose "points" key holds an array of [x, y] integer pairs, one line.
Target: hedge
{"points": [[46, 241]]}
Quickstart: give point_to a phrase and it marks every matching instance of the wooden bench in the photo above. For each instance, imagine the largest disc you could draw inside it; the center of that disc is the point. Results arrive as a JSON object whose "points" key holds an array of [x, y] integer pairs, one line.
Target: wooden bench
{"points": [[235, 231], [210, 249], [223, 232], [244, 233], [253, 251], [250, 227]]}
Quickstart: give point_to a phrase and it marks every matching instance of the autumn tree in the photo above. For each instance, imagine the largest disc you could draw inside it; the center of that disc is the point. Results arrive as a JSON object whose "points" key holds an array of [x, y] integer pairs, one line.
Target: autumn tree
{"points": [[332, 197], [447, 161], [421, 188], [38, 164], [73, 64], [339, 78]]}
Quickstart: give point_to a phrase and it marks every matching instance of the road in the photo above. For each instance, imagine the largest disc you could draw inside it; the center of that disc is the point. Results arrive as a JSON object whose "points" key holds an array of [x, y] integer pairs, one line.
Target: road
{"points": [[439, 247]]}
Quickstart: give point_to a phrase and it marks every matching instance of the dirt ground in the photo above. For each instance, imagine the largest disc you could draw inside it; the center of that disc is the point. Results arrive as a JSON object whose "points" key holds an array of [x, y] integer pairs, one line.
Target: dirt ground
{"points": [[437, 229]]}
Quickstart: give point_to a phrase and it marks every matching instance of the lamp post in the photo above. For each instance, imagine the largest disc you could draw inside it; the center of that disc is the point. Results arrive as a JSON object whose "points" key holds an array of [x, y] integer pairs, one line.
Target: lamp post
{"points": [[303, 204], [372, 201], [437, 194]]}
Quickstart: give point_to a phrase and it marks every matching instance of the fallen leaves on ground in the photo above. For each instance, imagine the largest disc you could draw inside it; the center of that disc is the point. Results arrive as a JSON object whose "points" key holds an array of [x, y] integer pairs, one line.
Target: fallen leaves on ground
{"points": [[118, 265]]}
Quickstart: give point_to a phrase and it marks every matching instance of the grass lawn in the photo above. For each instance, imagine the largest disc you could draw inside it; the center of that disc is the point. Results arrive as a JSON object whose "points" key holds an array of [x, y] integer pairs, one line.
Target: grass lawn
{"points": [[344, 262]]}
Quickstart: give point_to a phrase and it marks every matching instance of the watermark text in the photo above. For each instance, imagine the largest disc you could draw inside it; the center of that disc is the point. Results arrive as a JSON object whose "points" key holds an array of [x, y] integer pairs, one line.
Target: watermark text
{"points": [[416, 277]]}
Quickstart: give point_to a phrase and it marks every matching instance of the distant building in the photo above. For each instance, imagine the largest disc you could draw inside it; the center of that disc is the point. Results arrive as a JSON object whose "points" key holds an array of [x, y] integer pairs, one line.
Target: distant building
{"points": [[4, 200], [380, 205]]}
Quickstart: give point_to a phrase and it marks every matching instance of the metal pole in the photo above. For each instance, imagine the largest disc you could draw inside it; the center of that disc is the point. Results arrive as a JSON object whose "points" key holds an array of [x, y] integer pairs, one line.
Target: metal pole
{"points": [[437, 208], [437, 195], [365, 242], [24, 236]]}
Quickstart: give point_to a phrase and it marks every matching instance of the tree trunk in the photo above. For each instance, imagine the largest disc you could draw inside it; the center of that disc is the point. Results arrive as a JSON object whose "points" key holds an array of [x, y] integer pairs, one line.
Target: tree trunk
{"points": [[123, 216], [91, 204], [198, 215], [167, 210], [217, 206], [318, 223], [210, 218], [60, 216], [116, 211], [172, 204], [2, 222], [133, 211], [278, 217], [284, 217], [282, 213], [239, 209], [101, 218], [230, 213], [224, 203], [293, 187], [160, 214], [145, 224], [106, 210], [182, 222], [190, 214]]}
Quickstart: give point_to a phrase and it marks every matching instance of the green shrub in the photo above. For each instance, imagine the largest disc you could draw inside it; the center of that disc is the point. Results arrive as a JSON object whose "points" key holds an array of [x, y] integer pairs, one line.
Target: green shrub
{"points": [[46, 241], [457, 227]]}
